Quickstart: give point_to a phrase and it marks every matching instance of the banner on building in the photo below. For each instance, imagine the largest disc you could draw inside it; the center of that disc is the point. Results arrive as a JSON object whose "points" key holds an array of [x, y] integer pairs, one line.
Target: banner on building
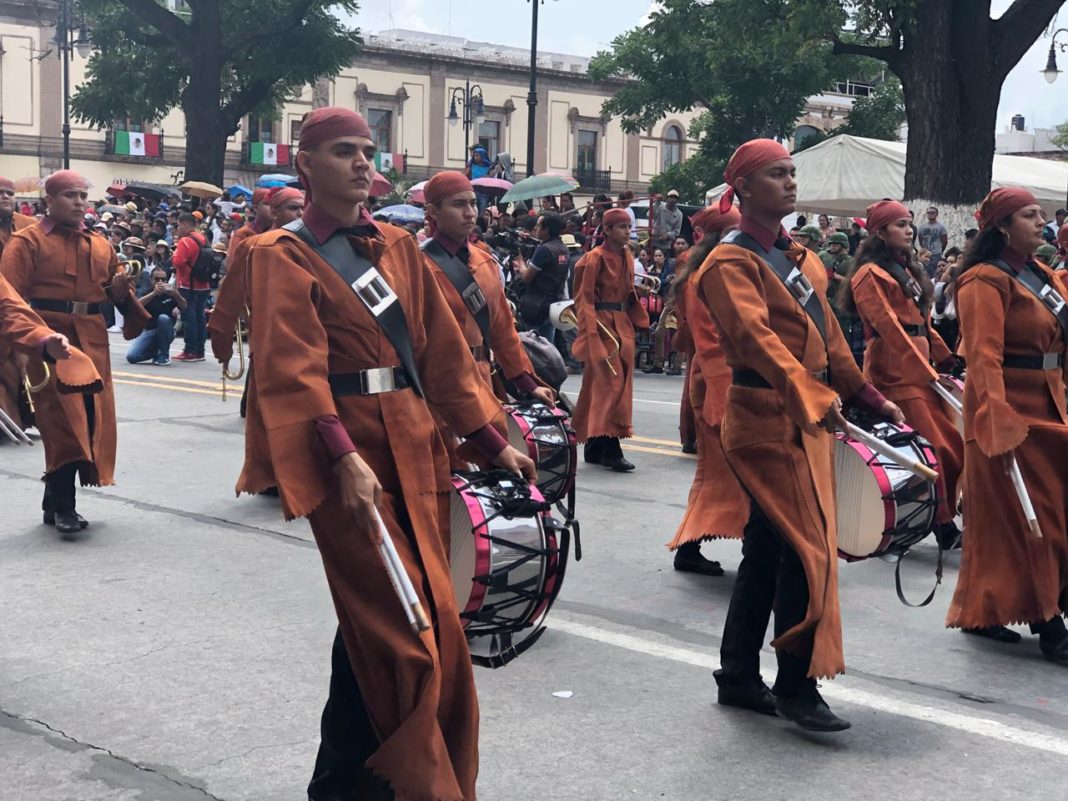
{"points": [[268, 153], [384, 162], [136, 143]]}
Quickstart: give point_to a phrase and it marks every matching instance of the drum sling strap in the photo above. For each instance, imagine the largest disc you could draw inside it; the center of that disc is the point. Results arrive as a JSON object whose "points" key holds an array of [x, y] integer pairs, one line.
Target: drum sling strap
{"points": [[372, 290], [460, 277], [912, 289], [1039, 285]]}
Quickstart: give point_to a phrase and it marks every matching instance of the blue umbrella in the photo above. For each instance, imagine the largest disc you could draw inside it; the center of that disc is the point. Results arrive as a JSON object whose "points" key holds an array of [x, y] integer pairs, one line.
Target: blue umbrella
{"points": [[240, 189], [401, 213], [277, 179]]}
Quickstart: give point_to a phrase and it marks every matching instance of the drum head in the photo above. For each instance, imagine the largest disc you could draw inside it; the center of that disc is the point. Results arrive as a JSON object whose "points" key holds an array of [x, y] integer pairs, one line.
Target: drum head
{"points": [[859, 492], [464, 550]]}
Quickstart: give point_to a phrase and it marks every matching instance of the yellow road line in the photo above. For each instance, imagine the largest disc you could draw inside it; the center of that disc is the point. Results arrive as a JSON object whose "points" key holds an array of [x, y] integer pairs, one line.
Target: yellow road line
{"points": [[168, 379], [660, 451], [655, 441], [216, 393]]}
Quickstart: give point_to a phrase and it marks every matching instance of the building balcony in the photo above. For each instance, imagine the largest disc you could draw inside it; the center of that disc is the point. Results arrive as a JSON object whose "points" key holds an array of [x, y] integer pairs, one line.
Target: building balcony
{"points": [[593, 180]]}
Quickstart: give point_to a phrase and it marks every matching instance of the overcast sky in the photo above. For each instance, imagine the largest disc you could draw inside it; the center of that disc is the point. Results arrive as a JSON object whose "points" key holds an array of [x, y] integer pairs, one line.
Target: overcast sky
{"points": [[582, 27]]}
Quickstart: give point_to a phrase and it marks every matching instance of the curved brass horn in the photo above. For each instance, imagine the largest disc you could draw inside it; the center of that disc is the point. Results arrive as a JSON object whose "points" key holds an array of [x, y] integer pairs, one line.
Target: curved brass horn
{"points": [[236, 376]]}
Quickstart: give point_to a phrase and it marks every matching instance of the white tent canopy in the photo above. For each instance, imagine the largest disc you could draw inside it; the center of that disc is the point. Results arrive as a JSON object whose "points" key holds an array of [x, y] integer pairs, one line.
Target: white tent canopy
{"points": [[844, 175]]}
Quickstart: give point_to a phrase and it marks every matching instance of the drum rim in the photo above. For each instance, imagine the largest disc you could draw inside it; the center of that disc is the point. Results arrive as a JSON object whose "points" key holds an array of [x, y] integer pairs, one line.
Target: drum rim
{"points": [[482, 545]]}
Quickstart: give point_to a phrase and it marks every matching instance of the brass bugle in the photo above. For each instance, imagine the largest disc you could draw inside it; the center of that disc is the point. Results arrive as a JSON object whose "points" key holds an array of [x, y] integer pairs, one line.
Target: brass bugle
{"points": [[133, 267], [568, 315], [650, 282], [236, 376]]}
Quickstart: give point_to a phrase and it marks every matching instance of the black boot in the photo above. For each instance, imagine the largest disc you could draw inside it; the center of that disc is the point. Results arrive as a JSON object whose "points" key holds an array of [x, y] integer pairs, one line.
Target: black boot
{"points": [[1053, 640], [810, 712], [593, 450], [612, 456], [948, 536], [996, 633], [689, 559], [58, 504], [689, 447], [753, 695], [653, 368]]}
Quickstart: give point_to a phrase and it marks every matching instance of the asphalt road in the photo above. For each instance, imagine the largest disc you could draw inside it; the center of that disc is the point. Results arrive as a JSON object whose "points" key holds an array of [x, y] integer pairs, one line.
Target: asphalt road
{"points": [[180, 650]]}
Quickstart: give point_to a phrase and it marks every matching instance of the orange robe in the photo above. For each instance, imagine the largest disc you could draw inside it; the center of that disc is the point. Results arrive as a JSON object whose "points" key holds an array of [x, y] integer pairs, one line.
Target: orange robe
{"points": [[606, 401], [419, 690], [508, 351], [10, 372], [770, 436], [231, 302], [1008, 575], [717, 505], [58, 263], [899, 365]]}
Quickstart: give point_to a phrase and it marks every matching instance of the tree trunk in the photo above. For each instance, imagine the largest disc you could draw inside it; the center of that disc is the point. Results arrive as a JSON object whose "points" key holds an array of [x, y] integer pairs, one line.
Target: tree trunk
{"points": [[205, 142], [205, 128]]}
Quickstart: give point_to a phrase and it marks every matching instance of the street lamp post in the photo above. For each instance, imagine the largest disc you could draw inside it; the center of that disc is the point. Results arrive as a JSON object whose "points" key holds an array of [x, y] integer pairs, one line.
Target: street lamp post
{"points": [[532, 94], [470, 97], [65, 44], [1051, 72]]}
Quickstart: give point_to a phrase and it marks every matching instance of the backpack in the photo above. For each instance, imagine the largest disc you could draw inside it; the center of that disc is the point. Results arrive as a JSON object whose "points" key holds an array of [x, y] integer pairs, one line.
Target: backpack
{"points": [[209, 265]]}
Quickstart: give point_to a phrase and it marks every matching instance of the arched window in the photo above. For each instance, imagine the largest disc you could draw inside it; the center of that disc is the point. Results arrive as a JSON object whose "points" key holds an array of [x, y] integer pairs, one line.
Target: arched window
{"points": [[803, 132], [672, 146]]}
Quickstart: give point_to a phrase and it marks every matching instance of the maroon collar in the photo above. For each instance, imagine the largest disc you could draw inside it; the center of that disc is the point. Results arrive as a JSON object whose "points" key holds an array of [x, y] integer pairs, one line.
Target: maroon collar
{"points": [[255, 226], [1014, 259], [451, 246], [765, 238], [323, 226], [49, 225]]}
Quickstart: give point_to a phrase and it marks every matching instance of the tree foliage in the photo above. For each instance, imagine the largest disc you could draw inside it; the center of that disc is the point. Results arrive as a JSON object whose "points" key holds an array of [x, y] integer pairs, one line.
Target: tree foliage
{"points": [[878, 115], [218, 59], [1061, 138]]}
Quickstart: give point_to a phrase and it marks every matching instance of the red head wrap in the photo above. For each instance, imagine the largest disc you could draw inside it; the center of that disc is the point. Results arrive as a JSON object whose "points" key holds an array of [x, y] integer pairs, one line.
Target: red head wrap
{"points": [[746, 160], [7, 183], [1002, 203], [444, 184], [283, 194], [615, 217], [261, 195], [883, 213], [710, 219], [322, 125], [63, 180]]}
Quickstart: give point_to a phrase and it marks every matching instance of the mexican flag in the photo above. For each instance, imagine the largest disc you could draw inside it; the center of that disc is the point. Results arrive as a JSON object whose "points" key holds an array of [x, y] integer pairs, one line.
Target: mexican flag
{"points": [[135, 143], [384, 162], [268, 153]]}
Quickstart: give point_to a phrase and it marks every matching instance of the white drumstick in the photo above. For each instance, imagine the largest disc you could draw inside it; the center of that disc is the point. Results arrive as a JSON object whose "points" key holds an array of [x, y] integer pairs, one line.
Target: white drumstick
{"points": [[402, 582], [1014, 466], [15, 432], [891, 453]]}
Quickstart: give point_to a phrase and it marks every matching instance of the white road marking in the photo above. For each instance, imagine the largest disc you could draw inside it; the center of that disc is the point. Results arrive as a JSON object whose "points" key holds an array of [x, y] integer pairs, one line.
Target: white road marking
{"points": [[660, 403], [969, 724]]}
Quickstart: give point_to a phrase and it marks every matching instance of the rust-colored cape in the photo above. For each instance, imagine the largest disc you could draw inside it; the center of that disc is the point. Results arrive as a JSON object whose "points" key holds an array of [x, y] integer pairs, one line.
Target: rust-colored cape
{"points": [[606, 401], [1007, 575], [419, 690], [899, 365], [10, 374], [64, 264], [770, 436], [508, 351], [717, 505]]}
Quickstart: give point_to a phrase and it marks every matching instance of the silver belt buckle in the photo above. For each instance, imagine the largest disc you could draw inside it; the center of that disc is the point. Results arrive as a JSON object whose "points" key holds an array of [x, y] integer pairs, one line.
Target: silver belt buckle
{"points": [[1051, 361], [377, 380], [79, 307]]}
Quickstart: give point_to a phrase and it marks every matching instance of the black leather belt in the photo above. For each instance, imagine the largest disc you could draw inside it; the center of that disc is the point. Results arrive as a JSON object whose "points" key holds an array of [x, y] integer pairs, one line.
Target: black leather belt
{"points": [[65, 306], [369, 382], [1041, 361], [608, 306], [480, 353], [754, 380], [912, 330]]}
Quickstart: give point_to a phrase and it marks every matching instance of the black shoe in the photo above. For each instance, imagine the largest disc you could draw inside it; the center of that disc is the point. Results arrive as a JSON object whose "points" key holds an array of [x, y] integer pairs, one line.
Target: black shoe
{"points": [[1053, 640], [696, 562], [810, 712], [652, 369], [996, 633], [68, 522], [49, 519], [754, 696], [689, 447], [270, 492], [617, 464], [676, 370], [948, 536]]}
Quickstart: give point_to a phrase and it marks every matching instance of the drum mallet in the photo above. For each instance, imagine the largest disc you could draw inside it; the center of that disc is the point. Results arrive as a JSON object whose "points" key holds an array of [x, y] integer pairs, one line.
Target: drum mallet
{"points": [[12, 430], [399, 578], [1013, 469], [890, 452]]}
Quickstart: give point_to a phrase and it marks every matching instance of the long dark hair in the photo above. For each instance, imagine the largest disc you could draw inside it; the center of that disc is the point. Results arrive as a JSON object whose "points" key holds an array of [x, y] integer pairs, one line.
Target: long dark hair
{"points": [[874, 250], [695, 257], [985, 247]]}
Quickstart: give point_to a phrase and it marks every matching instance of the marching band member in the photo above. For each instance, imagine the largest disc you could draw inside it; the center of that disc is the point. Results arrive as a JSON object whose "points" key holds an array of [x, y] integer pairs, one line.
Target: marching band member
{"points": [[23, 331], [608, 311], [339, 422], [469, 279], [262, 219], [893, 295], [717, 506], [1014, 406], [67, 273], [790, 368], [10, 364]]}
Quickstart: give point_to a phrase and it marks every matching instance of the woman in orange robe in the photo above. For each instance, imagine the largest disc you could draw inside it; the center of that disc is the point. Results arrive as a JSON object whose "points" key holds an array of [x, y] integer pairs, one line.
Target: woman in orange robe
{"points": [[892, 295], [1014, 406], [717, 506], [10, 367], [605, 294]]}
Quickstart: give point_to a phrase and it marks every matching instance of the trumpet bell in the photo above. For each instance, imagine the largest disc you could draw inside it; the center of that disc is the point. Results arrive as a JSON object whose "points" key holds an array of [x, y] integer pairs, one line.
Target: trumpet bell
{"points": [[562, 315]]}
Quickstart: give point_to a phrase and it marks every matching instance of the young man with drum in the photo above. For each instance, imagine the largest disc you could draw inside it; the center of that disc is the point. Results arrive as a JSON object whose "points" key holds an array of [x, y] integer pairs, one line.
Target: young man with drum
{"points": [[791, 368], [360, 340], [1014, 333], [717, 507], [892, 295], [470, 281], [607, 307]]}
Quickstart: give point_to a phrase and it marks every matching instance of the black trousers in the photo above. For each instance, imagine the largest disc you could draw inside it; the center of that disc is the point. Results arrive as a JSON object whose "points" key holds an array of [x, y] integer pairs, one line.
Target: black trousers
{"points": [[59, 493], [347, 739], [603, 448], [770, 577]]}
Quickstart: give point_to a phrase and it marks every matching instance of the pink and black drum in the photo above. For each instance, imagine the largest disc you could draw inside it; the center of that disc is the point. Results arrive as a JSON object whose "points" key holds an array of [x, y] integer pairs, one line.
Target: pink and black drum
{"points": [[507, 558], [882, 506], [956, 388], [545, 435]]}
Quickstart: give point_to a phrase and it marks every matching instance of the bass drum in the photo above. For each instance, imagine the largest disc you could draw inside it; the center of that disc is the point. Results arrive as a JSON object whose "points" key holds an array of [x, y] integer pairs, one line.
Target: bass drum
{"points": [[956, 388], [882, 506], [507, 558], [545, 435]]}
